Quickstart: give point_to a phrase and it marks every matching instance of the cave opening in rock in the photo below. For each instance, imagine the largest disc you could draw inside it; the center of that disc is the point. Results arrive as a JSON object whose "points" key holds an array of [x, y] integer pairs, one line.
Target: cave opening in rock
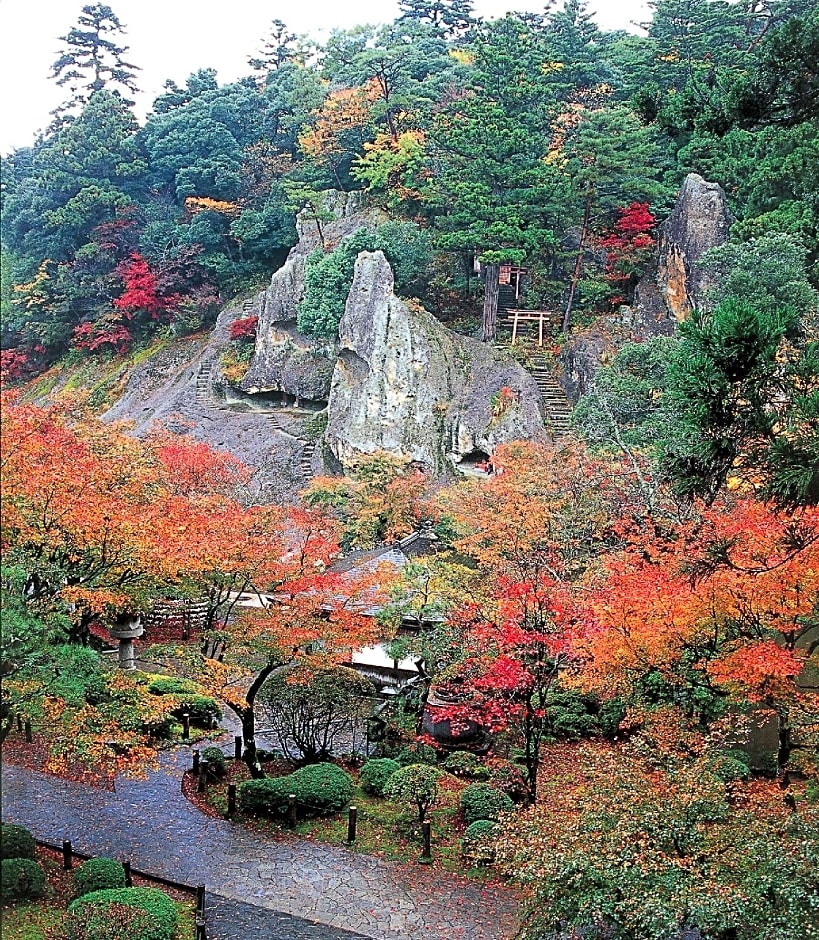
{"points": [[477, 462]]}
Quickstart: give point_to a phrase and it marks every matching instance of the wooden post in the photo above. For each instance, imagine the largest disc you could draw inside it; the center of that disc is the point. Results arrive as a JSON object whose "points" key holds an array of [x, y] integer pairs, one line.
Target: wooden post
{"points": [[426, 828], [68, 860], [540, 328], [186, 726], [200, 899], [231, 799], [237, 747], [352, 819], [29, 736], [515, 327], [195, 767], [19, 723], [201, 780], [129, 881], [291, 803]]}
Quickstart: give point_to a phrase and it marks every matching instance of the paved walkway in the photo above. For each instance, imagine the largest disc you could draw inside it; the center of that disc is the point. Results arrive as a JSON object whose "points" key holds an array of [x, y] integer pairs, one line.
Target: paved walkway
{"points": [[153, 825]]}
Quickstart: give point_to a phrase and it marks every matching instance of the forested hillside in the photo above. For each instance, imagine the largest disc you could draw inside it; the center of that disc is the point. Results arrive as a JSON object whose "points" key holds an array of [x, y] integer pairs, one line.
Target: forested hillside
{"points": [[529, 139], [616, 613]]}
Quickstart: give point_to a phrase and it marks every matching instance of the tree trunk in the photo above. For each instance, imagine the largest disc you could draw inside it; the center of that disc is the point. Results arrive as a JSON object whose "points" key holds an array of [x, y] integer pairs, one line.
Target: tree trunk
{"points": [[783, 754], [490, 303], [247, 713], [578, 264]]}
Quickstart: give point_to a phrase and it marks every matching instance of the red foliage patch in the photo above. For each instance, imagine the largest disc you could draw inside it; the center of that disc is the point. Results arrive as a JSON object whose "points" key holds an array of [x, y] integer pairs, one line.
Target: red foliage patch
{"points": [[244, 328]]}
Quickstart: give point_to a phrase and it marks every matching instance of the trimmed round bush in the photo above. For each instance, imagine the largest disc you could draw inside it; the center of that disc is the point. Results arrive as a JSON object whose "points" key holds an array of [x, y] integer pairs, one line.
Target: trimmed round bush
{"points": [[22, 879], [215, 759], [417, 754], [321, 788], [97, 874], [480, 801], [481, 828], [476, 844], [112, 921], [266, 797], [171, 685], [151, 900], [16, 842], [375, 774]]}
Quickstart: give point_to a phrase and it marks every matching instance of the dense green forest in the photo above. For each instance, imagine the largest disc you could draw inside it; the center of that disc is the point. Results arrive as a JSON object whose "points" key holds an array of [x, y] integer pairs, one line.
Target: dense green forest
{"points": [[514, 139]]}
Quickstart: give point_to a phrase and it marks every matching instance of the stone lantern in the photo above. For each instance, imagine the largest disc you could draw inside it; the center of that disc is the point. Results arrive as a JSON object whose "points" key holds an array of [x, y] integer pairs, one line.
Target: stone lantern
{"points": [[126, 628]]}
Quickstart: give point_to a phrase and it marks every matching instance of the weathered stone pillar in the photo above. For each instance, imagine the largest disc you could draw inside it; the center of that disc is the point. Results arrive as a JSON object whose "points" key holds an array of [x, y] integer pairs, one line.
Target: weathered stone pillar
{"points": [[126, 628]]}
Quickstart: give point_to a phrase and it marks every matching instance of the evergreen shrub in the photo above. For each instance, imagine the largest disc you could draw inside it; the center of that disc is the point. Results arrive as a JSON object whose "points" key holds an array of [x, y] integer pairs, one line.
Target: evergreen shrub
{"points": [[480, 828], [151, 900], [375, 774], [97, 874], [215, 759], [201, 708], [417, 754], [106, 920], [321, 788], [171, 685], [480, 801], [16, 842], [22, 879], [266, 797]]}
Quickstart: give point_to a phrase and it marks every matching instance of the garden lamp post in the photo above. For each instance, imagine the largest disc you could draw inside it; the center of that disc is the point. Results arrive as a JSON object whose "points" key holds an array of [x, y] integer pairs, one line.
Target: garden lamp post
{"points": [[126, 628]]}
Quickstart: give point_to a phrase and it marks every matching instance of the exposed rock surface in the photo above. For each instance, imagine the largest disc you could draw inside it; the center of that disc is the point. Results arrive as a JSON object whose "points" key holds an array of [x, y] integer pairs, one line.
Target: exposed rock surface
{"points": [[405, 384], [673, 286], [179, 387], [699, 221], [284, 359]]}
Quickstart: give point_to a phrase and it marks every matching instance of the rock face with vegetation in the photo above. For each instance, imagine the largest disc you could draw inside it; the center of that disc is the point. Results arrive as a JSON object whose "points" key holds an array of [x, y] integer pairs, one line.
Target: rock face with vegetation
{"points": [[405, 384], [699, 221], [673, 286], [285, 360]]}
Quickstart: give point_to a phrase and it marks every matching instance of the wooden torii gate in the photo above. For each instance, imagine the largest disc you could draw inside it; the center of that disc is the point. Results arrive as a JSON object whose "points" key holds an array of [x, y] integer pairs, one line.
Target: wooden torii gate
{"points": [[543, 318]]}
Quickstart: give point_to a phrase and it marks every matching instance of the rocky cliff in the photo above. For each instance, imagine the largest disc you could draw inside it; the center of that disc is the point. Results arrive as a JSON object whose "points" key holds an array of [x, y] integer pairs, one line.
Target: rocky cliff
{"points": [[405, 384], [284, 359], [667, 294], [699, 221]]}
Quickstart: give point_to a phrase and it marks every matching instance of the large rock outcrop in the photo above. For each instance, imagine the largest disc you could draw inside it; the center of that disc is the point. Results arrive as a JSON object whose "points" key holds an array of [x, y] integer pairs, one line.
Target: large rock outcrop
{"points": [[676, 284], [284, 359], [405, 384]]}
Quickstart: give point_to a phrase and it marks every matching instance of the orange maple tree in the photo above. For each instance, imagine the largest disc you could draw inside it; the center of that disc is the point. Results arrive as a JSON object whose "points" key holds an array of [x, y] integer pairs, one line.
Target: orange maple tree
{"points": [[724, 607]]}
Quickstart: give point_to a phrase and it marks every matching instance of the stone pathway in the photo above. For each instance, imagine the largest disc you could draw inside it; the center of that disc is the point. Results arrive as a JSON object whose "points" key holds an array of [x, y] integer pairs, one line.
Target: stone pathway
{"points": [[150, 823]]}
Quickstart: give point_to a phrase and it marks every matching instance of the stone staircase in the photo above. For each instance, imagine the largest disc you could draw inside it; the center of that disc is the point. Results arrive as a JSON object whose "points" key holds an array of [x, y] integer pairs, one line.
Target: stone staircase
{"points": [[203, 380], [557, 408], [279, 420]]}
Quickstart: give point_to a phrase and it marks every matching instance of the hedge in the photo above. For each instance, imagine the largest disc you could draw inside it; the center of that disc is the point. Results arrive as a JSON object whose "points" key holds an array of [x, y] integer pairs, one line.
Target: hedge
{"points": [[152, 900], [97, 874], [16, 842], [319, 789], [22, 879]]}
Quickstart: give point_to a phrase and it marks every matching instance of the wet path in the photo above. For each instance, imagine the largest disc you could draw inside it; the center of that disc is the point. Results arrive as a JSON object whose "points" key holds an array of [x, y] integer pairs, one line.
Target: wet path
{"points": [[153, 825]]}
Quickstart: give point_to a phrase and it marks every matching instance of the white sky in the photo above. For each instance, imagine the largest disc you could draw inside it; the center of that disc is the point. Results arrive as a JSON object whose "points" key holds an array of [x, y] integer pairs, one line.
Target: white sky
{"points": [[172, 38]]}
